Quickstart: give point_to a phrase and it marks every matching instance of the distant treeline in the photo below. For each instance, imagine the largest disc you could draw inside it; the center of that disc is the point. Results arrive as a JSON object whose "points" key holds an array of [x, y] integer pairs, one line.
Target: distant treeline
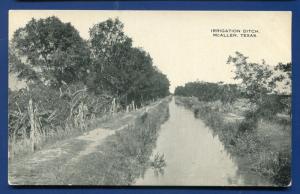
{"points": [[206, 91], [267, 87]]}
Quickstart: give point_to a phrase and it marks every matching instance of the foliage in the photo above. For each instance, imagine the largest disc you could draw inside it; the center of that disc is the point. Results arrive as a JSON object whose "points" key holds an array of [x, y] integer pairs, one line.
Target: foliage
{"points": [[271, 105], [248, 145], [254, 77], [265, 86], [121, 69], [46, 102], [206, 91], [71, 80], [55, 112], [49, 51], [268, 87], [259, 80]]}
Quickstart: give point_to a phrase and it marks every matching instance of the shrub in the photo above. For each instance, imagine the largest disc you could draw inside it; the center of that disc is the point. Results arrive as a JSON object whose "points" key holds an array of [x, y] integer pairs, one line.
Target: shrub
{"points": [[54, 112]]}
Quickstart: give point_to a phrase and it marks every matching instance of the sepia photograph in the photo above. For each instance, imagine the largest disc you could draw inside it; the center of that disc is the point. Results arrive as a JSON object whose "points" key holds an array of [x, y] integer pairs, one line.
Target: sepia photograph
{"points": [[149, 98]]}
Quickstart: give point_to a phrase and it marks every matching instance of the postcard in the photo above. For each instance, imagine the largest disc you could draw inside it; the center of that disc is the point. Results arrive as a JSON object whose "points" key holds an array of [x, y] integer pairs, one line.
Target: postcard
{"points": [[149, 98]]}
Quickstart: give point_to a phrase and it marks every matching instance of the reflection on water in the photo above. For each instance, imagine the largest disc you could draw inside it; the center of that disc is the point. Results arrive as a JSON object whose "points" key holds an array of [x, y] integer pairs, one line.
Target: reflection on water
{"points": [[158, 164], [192, 155]]}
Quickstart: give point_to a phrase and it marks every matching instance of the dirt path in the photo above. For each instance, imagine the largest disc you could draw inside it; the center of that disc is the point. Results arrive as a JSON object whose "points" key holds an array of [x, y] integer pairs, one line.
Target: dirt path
{"points": [[46, 166], [94, 138]]}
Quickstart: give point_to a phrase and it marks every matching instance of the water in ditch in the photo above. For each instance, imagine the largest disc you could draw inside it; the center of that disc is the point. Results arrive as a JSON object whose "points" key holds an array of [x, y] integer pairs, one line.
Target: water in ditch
{"points": [[193, 156]]}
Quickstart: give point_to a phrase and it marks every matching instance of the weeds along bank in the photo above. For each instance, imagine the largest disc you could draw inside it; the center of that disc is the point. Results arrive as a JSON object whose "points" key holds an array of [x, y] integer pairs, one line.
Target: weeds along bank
{"points": [[42, 115], [259, 147], [122, 157]]}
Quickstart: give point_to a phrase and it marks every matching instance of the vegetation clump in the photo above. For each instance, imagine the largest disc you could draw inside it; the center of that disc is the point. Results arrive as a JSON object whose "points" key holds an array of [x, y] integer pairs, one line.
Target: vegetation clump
{"points": [[70, 81]]}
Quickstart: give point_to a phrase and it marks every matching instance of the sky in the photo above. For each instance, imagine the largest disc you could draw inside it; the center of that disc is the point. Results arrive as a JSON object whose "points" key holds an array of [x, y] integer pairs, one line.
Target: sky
{"points": [[181, 42]]}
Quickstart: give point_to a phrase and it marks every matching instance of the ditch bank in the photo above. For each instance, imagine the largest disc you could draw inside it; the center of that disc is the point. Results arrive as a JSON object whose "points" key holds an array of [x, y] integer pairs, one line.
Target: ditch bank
{"points": [[263, 152], [116, 153]]}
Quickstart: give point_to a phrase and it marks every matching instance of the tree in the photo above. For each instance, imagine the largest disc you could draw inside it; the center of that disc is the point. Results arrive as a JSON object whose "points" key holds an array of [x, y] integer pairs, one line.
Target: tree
{"points": [[255, 78], [157, 86], [283, 80], [262, 84], [283, 77], [105, 38], [49, 51], [110, 49], [120, 69]]}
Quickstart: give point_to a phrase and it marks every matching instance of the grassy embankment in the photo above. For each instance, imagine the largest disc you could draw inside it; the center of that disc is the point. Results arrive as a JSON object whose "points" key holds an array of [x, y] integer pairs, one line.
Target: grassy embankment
{"points": [[118, 160], [122, 157], [56, 117], [264, 150]]}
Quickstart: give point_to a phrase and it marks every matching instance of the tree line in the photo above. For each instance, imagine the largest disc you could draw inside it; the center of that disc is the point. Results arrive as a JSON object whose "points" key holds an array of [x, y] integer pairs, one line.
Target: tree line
{"points": [[52, 53], [206, 91], [70, 82], [268, 87]]}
